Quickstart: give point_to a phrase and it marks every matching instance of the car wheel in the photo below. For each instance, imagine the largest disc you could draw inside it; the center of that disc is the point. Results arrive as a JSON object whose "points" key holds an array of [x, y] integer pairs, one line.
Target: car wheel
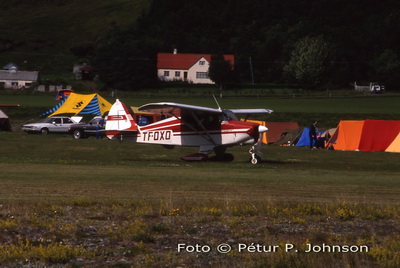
{"points": [[44, 131], [78, 134]]}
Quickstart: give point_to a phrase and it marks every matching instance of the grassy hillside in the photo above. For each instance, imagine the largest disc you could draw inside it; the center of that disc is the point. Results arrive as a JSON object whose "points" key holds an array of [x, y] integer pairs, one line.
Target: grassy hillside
{"points": [[39, 34]]}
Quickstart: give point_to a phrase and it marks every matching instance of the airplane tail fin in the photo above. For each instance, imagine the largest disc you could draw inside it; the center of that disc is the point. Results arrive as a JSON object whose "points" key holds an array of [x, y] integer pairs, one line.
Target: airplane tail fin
{"points": [[119, 120]]}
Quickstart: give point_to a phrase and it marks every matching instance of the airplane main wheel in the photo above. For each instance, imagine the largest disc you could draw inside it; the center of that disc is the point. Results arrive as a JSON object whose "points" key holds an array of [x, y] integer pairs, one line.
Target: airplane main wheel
{"points": [[222, 158], [228, 157]]}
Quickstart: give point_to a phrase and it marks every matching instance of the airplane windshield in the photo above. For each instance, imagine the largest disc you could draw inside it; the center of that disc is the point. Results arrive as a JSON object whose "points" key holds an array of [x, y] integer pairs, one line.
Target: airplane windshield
{"points": [[229, 115]]}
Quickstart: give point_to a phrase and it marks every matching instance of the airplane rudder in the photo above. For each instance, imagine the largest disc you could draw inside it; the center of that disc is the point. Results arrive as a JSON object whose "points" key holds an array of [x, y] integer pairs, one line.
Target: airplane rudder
{"points": [[120, 117]]}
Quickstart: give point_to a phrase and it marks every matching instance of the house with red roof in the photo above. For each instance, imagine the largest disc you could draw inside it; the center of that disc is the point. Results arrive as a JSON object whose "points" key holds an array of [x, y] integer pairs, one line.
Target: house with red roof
{"points": [[192, 68]]}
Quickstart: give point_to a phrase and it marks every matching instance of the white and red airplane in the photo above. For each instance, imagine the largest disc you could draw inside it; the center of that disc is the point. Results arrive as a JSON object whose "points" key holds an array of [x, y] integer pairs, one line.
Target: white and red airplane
{"points": [[187, 125]]}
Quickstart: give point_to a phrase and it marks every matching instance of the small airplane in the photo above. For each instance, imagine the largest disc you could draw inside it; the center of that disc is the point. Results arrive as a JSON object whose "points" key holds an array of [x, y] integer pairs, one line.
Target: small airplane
{"points": [[188, 125]]}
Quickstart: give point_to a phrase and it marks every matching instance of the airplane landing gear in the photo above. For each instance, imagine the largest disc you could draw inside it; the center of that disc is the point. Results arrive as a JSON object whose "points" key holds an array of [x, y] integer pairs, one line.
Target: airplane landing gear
{"points": [[255, 159], [222, 158], [221, 155]]}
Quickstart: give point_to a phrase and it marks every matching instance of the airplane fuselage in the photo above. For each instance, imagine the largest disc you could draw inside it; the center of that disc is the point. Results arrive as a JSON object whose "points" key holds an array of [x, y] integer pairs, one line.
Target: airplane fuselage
{"points": [[173, 131], [207, 128]]}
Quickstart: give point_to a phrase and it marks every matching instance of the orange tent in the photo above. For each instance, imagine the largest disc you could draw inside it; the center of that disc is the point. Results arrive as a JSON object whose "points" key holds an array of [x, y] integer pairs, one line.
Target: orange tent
{"points": [[367, 135], [394, 147], [347, 136], [378, 134]]}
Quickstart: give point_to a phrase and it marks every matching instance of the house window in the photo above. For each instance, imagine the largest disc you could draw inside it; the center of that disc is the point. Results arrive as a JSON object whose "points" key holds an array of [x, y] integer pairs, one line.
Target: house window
{"points": [[177, 74], [166, 73], [202, 62], [201, 75], [14, 85]]}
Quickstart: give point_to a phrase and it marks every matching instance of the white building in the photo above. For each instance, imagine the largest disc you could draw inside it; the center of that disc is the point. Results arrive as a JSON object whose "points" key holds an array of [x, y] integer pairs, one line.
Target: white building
{"points": [[11, 77], [192, 68]]}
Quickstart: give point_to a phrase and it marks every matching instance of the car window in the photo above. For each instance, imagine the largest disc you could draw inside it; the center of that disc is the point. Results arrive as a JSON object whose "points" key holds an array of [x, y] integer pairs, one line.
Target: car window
{"points": [[57, 120], [67, 121]]}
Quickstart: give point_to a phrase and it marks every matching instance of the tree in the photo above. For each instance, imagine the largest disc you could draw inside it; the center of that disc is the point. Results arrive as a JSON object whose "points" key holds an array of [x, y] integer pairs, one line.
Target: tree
{"points": [[124, 61], [386, 67], [309, 62], [220, 71]]}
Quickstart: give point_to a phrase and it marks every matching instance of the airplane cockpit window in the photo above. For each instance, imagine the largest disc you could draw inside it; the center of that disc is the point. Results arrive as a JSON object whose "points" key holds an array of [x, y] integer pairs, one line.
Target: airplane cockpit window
{"points": [[228, 115]]}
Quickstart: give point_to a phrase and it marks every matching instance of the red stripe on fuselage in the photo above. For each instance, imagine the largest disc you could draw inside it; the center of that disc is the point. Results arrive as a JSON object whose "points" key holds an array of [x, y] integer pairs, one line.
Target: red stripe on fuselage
{"points": [[177, 126]]}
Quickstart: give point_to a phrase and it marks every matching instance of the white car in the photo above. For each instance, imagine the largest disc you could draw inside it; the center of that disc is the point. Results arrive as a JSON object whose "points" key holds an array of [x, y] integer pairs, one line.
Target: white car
{"points": [[59, 124]]}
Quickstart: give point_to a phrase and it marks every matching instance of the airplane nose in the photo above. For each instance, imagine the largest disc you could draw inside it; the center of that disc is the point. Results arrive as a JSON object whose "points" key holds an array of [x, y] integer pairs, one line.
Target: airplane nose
{"points": [[262, 129]]}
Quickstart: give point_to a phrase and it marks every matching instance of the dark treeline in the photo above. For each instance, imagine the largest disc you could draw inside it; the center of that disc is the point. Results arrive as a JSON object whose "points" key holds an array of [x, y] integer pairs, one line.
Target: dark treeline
{"points": [[313, 43]]}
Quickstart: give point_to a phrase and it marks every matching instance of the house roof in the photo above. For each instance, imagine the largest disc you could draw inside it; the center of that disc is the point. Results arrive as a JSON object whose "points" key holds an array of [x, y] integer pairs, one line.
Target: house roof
{"points": [[183, 61], [19, 75]]}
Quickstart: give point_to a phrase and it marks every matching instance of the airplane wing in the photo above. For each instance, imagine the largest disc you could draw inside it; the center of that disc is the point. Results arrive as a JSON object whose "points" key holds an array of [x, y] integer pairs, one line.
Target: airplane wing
{"points": [[175, 108]]}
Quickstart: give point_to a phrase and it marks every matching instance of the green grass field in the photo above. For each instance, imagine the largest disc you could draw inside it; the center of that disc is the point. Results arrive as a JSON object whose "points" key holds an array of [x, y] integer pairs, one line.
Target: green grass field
{"points": [[328, 111], [85, 203]]}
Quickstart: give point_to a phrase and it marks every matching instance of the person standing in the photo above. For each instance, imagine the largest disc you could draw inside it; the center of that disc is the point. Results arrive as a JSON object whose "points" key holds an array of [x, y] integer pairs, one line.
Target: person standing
{"points": [[142, 121], [313, 133], [100, 126]]}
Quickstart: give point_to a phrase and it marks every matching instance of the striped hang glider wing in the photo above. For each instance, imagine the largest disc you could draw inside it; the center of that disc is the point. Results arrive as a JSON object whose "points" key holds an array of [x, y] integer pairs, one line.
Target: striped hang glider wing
{"points": [[80, 104]]}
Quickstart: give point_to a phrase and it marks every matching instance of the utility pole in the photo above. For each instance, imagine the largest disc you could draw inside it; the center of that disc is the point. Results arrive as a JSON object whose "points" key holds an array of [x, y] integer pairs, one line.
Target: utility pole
{"points": [[251, 70]]}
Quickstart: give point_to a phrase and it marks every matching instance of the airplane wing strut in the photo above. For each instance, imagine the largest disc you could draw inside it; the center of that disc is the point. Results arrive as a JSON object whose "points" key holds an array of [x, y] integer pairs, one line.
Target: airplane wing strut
{"points": [[207, 137]]}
